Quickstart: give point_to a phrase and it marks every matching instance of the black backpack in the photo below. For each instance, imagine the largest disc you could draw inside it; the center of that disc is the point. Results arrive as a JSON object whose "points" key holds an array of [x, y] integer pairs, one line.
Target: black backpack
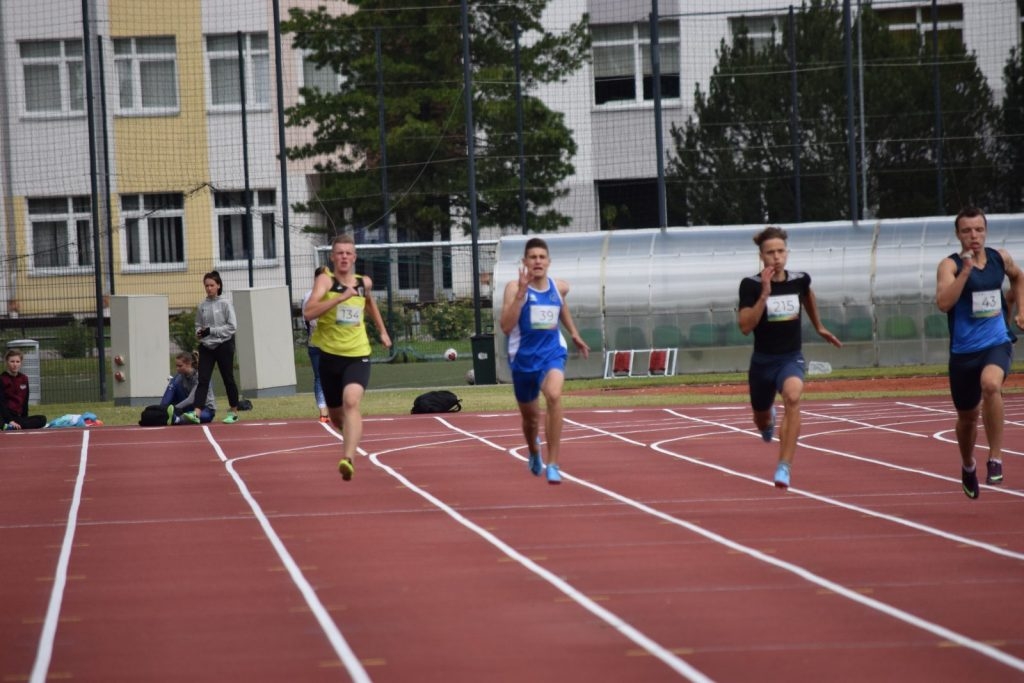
{"points": [[436, 402], [153, 416]]}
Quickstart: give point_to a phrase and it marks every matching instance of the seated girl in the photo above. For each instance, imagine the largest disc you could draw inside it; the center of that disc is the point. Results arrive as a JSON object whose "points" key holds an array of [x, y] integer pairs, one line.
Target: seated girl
{"points": [[180, 396]]}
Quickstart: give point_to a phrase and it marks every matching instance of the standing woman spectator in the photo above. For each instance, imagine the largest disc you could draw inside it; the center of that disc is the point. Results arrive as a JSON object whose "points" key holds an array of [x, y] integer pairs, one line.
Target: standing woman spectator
{"points": [[314, 352], [215, 330], [340, 302], [14, 398]]}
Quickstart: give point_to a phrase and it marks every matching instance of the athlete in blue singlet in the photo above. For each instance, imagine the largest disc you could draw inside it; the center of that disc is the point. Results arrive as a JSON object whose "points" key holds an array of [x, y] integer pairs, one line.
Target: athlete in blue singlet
{"points": [[969, 289], [532, 309], [770, 306]]}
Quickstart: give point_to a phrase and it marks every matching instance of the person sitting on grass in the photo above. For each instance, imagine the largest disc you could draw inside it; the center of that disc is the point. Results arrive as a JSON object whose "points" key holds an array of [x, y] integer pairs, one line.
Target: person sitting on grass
{"points": [[14, 406], [180, 396]]}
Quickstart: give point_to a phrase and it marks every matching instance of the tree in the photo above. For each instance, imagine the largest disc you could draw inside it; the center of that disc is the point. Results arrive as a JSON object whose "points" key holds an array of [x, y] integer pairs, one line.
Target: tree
{"points": [[422, 65], [733, 157], [1013, 120]]}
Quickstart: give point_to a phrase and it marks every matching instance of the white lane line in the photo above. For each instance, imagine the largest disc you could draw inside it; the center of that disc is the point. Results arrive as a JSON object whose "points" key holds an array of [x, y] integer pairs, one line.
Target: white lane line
{"points": [[850, 594], [44, 653], [341, 647], [639, 638], [849, 506]]}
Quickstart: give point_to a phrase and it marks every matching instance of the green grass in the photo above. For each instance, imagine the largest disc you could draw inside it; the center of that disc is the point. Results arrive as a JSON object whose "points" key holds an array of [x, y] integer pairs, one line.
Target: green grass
{"points": [[386, 399]]}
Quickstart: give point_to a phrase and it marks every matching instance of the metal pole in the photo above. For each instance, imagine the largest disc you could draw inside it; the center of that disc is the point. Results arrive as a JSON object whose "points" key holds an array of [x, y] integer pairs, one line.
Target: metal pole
{"points": [[860, 99], [106, 169], [94, 209], [659, 142], [938, 109], [247, 228], [467, 77], [384, 189], [282, 157], [794, 118], [519, 136], [851, 137]]}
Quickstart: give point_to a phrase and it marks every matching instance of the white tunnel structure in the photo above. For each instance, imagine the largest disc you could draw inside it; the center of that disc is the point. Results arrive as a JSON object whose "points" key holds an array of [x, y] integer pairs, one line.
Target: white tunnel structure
{"points": [[679, 288]]}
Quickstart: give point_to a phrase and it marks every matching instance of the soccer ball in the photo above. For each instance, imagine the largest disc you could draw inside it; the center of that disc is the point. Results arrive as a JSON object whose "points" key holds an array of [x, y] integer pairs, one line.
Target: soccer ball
{"points": [[470, 376], [451, 354]]}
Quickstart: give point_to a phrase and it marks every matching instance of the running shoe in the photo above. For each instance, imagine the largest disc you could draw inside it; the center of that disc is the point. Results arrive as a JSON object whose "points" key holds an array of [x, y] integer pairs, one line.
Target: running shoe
{"points": [[347, 468], [995, 472], [970, 481], [768, 432], [535, 462], [553, 476], [170, 415], [782, 476], [190, 416], [231, 419]]}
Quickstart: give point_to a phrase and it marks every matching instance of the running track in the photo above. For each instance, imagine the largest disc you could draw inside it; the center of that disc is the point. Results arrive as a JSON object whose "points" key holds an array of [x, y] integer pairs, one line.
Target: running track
{"points": [[236, 553]]}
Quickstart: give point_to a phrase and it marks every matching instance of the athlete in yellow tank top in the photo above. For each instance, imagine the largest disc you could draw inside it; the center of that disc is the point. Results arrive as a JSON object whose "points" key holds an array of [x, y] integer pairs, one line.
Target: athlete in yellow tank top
{"points": [[340, 302]]}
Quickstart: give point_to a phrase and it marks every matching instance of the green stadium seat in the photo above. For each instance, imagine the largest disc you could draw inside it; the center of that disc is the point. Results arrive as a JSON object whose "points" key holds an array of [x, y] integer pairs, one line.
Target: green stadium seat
{"points": [[630, 338], [666, 337], [730, 332], [899, 327], [936, 326], [859, 329], [703, 334]]}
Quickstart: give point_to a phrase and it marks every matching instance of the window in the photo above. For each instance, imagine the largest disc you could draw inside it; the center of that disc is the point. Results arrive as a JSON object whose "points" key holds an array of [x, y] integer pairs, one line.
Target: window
{"points": [[622, 62], [914, 24], [323, 79], [154, 230], [146, 74], [61, 231], [222, 56], [762, 31], [54, 76], [229, 207]]}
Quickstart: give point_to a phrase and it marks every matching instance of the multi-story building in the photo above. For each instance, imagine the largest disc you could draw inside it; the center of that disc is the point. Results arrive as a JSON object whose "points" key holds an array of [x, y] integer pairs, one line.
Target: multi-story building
{"points": [[167, 127]]}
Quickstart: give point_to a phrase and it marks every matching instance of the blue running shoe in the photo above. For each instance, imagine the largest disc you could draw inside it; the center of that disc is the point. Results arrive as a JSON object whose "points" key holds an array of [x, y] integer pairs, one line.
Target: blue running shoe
{"points": [[553, 476], [782, 476], [768, 432], [536, 465]]}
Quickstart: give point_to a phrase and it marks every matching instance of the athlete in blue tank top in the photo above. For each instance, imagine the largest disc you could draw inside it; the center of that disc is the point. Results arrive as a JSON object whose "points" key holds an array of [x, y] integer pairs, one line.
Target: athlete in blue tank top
{"points": [[532, 309], [969, 290]]}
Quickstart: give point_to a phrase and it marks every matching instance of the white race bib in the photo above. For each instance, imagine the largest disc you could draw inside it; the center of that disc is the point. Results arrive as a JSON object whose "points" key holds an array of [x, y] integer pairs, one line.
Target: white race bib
{"points": [[985, 304], [783, 307], [543, 317], [347, 315]]}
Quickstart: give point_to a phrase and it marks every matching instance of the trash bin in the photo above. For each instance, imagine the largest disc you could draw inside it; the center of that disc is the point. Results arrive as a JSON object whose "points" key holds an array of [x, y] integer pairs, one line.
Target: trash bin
{"points": [[484, 371], [30, 366]]}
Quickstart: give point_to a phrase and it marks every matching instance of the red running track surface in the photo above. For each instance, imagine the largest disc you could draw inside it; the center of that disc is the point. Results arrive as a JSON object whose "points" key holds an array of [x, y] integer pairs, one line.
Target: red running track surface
{"points": [[236, 553]]}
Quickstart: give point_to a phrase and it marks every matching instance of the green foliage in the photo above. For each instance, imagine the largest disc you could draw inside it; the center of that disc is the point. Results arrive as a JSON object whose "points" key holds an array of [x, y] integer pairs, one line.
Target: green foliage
{"points": [[75, 340], [449, 321], [733, 160], [421, 47], [183, 330]]}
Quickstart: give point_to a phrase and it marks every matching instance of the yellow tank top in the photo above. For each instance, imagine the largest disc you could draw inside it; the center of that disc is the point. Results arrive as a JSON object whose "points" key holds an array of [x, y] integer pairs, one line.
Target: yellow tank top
{"points": [[341, 330]]}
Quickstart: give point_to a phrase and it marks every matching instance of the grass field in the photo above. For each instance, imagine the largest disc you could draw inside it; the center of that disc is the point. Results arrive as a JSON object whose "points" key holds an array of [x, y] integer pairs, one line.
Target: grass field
{"points": [[385, 398]]}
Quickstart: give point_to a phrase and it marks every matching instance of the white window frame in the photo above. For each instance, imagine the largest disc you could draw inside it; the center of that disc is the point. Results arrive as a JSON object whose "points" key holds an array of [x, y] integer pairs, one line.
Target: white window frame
{"points": [[144, 218], [67, 64], [323, 75], [229, 212], [639, 44], [922, 23], [222, 51], [75, 244], [132, 56], [762, 29]]}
